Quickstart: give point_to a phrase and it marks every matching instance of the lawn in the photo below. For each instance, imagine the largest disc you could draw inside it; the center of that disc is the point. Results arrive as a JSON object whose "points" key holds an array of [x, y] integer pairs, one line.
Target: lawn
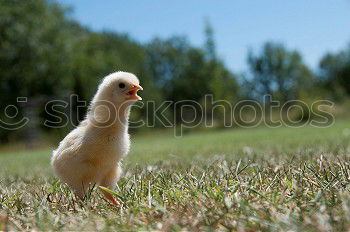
{"points": [[235, 179]]}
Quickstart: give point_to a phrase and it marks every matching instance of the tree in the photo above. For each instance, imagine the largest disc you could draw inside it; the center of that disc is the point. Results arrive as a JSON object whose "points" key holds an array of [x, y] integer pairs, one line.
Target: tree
{"points": [[210, 47], [182, 72], [35, 48], [278, 72], [35, 53], [334, 73], [221, 82]]}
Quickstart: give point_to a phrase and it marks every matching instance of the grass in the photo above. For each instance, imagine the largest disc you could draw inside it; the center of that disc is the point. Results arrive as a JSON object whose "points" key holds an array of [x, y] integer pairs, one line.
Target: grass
{"points": [[244, 179]]}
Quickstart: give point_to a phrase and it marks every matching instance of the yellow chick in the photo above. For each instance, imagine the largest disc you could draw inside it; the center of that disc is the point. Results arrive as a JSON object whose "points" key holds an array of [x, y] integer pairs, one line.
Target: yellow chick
{"points": [[92, 153]]}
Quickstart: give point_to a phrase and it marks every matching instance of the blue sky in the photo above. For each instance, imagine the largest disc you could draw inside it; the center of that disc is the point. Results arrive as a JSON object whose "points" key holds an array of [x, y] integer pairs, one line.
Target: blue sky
{"points": [[311, 26]]}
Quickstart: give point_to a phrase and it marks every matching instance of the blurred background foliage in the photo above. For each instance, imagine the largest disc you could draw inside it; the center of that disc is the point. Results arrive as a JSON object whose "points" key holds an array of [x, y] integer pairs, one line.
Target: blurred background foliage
{"points": [[46, 55]]}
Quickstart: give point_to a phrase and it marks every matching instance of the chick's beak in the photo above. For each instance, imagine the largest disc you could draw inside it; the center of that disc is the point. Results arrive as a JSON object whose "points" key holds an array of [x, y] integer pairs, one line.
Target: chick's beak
{"points": [[132, 93]]}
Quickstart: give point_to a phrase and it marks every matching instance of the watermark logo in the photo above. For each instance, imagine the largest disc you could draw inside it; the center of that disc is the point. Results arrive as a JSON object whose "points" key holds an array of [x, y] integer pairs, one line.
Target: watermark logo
{"points": [[180, 115]]}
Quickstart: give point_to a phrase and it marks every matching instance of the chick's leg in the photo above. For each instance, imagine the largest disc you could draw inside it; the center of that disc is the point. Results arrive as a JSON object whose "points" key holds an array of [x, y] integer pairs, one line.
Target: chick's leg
{"points": [[110, 198], [79, 189], [79, 194], [109, 181]]}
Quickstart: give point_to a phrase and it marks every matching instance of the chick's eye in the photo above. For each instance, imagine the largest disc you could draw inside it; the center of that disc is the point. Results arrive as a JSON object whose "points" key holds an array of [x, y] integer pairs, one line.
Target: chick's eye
{"points": [[121, 85]]}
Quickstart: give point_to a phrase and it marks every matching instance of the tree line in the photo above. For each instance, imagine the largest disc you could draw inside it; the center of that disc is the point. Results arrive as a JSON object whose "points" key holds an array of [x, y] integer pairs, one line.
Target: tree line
{"points": [[45, 54]]}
